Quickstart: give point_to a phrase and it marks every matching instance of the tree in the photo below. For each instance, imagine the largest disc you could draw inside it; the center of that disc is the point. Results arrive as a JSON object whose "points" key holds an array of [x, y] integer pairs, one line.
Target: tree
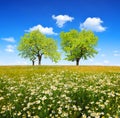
{"points": [[26, 48], [35, 44], [78, 45]]}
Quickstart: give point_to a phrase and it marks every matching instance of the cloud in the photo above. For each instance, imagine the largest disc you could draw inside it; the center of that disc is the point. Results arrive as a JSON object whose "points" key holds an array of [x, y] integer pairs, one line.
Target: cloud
{"points": [[93, 24], [10, 48], [106, 62], [9, 39], [116, 53], [44, 30], [62, 19], [103, 55]]}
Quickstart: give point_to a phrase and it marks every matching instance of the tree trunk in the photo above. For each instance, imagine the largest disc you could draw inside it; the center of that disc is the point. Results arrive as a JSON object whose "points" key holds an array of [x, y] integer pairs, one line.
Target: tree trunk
{"points": [[77, 61], [33, 62], [39, 59]]}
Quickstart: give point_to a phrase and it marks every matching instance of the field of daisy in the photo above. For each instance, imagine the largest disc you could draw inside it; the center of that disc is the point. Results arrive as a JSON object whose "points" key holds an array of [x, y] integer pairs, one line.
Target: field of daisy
{"points": [[59, 92]]}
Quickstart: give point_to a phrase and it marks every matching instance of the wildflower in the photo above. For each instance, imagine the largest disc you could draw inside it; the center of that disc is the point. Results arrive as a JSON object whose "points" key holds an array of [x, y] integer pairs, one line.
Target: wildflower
{"points": [[44, 98], [38, 102], [29, 114], [1, 98], [36, 116], [53, 88], [84, 116], [25, 108], [39, 107], [102, 106], [64, 114], [86, 107], [59, 110], [75, 108], [19, 113]]}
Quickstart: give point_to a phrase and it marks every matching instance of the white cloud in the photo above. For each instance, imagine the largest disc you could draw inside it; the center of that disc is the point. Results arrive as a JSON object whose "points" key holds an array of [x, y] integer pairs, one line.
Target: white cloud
{"points": [[103, 55], [10, 48], [44, 30], [106, 62], [62, 19], [9, 39], [93, 24], [116, 53]]}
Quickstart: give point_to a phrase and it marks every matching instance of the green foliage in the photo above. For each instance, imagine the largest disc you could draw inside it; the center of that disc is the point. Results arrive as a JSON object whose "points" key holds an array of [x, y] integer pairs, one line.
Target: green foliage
{"points": [[35, 44], [78, 45], [50, 50]]}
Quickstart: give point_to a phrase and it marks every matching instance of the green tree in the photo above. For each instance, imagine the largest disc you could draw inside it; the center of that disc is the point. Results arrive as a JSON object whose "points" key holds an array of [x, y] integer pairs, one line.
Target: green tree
{"points": [[78, 45], [35, 44]]}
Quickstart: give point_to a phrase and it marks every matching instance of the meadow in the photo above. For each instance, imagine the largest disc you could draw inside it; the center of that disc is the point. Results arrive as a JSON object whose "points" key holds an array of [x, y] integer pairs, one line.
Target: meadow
{"points": [[59, 92]]}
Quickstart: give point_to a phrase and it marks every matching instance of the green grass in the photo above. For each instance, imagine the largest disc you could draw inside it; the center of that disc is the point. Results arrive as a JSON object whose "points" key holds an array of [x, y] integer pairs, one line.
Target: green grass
{"points": [[59, 91]]}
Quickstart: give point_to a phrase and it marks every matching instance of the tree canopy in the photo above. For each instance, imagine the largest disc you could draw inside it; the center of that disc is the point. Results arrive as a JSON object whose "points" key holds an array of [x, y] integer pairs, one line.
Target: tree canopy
{"points": [[35, 44], [78, 45]]}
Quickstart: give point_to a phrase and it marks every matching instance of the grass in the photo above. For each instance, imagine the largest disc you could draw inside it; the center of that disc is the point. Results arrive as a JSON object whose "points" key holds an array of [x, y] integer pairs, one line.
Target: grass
{"points": [[59, 92]]}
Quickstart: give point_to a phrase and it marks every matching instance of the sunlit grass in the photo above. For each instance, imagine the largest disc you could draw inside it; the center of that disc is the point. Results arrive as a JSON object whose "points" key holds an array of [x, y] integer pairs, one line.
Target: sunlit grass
{"points": [[59, 91]]}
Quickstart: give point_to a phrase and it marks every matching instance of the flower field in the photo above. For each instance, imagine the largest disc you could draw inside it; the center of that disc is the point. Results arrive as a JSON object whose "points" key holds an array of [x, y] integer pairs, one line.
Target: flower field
{"points": [[59, 92]]}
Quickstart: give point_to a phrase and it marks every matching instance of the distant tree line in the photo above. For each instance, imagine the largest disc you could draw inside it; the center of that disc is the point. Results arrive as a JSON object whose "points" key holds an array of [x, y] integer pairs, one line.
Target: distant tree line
{"points": [[76, 45]]}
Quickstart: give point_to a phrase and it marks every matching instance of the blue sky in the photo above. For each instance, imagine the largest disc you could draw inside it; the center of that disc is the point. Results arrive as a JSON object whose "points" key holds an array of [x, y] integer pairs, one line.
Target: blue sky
{"points": [[53, 16]]}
